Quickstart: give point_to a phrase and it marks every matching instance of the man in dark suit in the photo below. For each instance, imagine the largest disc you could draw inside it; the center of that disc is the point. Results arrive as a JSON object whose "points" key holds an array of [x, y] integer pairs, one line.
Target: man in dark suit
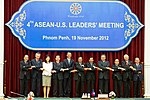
{"points": [[36, 65], [127, 75], [79, 77], [104, 74], [25, 65], [90, 74], [68, 65], [137, 77], [117, 78], [57, 77]]}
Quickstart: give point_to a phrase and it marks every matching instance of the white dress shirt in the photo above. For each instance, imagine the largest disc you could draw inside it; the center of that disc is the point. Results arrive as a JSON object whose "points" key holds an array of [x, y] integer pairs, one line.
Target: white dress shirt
{"points": [[47, 68]]}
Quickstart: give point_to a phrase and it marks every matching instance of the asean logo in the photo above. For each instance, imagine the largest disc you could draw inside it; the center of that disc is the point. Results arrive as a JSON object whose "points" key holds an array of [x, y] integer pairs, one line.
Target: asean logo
{"points": [[75, 8]]}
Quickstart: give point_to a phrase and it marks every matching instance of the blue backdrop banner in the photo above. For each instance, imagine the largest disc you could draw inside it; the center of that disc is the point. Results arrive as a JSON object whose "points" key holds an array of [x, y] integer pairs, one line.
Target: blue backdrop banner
{"points": [[69, 25]]}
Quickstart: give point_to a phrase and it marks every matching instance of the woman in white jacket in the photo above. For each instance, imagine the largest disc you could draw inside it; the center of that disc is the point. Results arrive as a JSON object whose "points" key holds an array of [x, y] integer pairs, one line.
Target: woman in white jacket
{"points": [[46, 76]]}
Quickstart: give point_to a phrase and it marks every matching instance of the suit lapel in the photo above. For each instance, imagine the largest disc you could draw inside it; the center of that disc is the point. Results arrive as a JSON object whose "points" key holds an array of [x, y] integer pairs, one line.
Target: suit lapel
{"points": [[68, 62], [129, 62], [104, 63], [137, 66]]}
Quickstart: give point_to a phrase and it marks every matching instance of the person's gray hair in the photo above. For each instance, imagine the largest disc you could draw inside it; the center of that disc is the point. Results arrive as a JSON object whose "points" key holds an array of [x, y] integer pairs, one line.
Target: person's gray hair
{"points": [[103, 55], [126, 56], [37, 53]]}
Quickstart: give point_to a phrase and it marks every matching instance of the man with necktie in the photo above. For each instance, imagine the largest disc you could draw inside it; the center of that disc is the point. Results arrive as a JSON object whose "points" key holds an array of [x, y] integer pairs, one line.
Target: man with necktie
{"points": [[25, 65], [127, 75], [79, 77], [137, 77], [104, 74], [36, 65], [117, 78], [68, 65], [57, 77], [90, 74]]}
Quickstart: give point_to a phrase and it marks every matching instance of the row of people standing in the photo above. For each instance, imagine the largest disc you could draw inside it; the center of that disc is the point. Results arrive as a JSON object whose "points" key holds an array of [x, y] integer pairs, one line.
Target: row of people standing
{"points": [[43, 72], [62, 77], [126, 72], [123, 74]]}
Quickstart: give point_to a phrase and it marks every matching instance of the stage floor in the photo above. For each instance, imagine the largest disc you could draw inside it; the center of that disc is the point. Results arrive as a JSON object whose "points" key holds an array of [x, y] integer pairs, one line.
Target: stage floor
{"points": [[53, 98]]}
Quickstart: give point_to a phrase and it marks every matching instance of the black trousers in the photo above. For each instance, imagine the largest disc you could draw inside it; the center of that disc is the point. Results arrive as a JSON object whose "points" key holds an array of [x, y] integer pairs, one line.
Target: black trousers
{"points": [[118, 87], [67, 86], [24, 86], [36, 85], [137, 88], [57, 87], [79, 86], [103, 85], [127, 85], [90, 85]]}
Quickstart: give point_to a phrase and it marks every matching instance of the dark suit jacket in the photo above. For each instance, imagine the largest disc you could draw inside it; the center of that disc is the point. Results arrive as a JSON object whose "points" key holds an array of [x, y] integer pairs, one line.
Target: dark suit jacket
{"points": [[136, 74], [24, 69], [105, 72], [57, 67], [117, 72], [36, 72], [80, 71], [128, 72], [90, 74], [69, 66]]}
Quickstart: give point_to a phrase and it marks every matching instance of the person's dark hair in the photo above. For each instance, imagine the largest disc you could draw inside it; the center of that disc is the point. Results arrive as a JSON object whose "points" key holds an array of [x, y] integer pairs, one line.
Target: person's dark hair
{"points": [[80, 56], [37, 53], [46, 57], [91, 57]]}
